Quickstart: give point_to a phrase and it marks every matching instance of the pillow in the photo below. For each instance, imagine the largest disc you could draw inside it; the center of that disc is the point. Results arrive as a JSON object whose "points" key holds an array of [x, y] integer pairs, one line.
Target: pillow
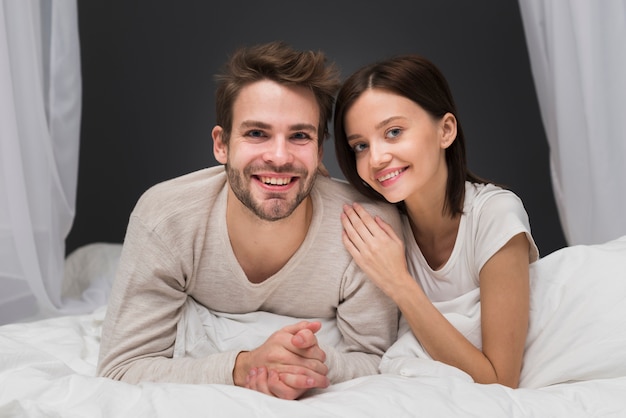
{"points": [[577, 327], [577, 323], [89, 272]]}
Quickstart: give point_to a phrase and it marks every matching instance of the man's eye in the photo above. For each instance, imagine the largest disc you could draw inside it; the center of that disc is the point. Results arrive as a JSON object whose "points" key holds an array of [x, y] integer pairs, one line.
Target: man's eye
{"points": [[255, 134], [301, 136]]}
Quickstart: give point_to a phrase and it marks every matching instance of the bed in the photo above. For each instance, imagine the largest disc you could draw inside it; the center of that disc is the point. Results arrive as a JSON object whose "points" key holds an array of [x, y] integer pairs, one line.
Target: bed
{"points": [[574, 364]]}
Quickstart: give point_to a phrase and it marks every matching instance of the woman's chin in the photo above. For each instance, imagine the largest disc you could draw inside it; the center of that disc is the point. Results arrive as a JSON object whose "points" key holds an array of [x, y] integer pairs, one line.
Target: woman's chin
{"points": [[392, 199]]}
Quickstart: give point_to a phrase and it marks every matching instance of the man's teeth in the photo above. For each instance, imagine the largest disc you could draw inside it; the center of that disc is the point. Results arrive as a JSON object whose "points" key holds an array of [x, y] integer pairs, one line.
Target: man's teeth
{"points": [[389, 175], [278, 181]]}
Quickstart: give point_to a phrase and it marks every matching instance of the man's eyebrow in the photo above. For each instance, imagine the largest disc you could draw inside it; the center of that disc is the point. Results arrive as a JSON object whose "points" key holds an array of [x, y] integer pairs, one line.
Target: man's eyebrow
{"points": [[303, 127], [246, 124], [255, 124]]}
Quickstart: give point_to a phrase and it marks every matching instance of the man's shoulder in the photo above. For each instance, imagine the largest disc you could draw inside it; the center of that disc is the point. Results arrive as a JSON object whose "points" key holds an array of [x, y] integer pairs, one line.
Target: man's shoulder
{"points": [[185, 192], [338, 191]]}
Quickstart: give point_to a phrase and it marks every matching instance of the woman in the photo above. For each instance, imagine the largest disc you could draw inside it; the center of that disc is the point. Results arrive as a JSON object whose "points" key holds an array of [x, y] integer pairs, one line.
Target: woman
{"points": [[398, 138]]}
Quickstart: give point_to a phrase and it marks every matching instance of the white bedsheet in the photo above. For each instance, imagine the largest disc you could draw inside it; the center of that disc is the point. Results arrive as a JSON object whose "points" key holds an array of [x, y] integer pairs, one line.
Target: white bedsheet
{"points": [[47, 370], [578, 332], [577, 327]]}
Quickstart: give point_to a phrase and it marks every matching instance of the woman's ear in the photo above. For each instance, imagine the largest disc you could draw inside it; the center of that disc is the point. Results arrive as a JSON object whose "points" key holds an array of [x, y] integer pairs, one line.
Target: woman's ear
{"points": [[220, 149], [448, 130]]}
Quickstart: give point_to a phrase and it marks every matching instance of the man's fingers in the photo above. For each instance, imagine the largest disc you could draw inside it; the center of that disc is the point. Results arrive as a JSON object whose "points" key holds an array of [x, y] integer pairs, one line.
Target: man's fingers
{"points": [[304, 339], [318, 372], [282, 390], [313, 326], [257, 380], [302, 381]]}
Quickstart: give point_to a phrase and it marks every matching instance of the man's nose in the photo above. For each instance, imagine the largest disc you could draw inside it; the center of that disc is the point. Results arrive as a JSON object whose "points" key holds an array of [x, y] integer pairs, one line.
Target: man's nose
{"points": [[278, 151]]}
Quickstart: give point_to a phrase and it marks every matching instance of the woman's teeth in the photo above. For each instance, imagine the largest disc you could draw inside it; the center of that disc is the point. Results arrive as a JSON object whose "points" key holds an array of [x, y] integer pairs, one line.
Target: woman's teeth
{"points": [[390, 175]]}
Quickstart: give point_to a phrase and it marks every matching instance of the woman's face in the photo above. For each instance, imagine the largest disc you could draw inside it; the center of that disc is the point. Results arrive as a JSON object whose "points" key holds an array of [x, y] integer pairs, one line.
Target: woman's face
{"points": [[398, 146]]}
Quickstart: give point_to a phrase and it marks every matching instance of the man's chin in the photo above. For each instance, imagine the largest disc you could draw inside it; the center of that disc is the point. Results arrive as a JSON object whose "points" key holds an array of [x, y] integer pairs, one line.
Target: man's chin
{"points": [[275, 211]]}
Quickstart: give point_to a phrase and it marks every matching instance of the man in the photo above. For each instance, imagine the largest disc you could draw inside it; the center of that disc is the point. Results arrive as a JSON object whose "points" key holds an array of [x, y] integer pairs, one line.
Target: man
{"points": [[258, 233]]}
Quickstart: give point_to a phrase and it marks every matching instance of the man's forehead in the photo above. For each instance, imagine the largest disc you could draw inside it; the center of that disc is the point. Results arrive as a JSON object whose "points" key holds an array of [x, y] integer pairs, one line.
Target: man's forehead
{"points": [[267, 104]]}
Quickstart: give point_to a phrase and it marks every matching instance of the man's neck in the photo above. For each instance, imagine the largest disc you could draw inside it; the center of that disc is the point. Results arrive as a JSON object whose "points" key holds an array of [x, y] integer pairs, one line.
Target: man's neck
{"points": [[264, 247]]}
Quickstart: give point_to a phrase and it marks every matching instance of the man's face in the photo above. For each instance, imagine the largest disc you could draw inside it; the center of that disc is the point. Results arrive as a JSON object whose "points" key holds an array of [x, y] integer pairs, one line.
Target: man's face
{"points": [[272, 155]]}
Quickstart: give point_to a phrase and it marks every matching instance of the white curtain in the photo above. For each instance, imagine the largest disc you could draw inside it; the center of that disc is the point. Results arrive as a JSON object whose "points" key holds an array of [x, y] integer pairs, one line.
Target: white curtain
{"points": [[40, 108], [577, 53]]}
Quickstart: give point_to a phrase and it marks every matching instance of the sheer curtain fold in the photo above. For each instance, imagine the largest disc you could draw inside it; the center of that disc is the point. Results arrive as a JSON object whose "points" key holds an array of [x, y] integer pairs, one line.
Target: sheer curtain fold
{"points": [[577, 53], [40, 109]]}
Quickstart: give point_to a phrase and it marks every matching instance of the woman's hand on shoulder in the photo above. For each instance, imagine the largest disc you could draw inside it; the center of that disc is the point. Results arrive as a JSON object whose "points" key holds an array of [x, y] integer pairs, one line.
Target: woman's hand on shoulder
{"points": [[375, 247]]}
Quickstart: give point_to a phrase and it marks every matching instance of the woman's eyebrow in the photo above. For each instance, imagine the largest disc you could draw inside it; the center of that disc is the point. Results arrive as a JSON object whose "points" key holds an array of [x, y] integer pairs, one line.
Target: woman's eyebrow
{"points": [[377, 126], [388, 120]]}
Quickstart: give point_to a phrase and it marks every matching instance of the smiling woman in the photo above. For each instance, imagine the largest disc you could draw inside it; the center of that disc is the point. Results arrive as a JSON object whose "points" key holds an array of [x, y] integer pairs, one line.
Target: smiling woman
{"points": [[401, 129], [397, 137]]}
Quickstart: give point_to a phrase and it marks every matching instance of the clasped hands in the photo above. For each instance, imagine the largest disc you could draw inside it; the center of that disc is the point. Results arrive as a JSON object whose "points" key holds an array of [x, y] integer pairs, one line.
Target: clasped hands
{"points": [[286, 365]]}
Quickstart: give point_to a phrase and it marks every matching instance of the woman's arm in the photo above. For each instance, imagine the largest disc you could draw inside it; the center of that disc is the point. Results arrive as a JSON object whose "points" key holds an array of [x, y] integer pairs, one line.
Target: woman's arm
{"points": [[504, 300]]}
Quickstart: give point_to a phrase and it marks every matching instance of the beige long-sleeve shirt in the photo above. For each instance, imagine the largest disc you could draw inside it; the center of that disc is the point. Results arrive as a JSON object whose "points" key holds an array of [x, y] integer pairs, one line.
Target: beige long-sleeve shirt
{"points": [[177, 246]]}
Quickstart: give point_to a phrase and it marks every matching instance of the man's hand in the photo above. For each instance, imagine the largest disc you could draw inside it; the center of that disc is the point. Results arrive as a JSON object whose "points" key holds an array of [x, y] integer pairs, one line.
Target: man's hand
{"points": [[288, 364]]}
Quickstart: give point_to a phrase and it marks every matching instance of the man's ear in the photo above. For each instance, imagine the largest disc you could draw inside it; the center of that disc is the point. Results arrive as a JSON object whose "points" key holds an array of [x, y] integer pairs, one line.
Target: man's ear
{"points": [[220, 149], [448, 130]]}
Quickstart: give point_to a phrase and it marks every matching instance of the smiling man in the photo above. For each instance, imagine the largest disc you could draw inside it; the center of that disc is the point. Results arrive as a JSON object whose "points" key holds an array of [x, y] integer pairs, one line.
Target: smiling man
{"points": [[259, 233]]}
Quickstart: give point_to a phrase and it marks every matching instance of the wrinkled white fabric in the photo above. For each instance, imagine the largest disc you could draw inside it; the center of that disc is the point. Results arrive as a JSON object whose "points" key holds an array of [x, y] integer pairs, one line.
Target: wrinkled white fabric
{"points": [[40, 108], [48, 367], [577, 328], [201, 332]]}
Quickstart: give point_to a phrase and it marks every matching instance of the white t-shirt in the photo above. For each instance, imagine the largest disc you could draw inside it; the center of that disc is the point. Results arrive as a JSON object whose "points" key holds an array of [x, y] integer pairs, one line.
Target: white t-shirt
{"points": [[491, 217]]}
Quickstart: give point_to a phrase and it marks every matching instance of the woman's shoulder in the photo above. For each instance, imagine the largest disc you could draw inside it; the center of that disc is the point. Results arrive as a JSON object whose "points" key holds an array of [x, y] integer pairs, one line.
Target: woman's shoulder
{"points": [[488, 196], [494, 215]]}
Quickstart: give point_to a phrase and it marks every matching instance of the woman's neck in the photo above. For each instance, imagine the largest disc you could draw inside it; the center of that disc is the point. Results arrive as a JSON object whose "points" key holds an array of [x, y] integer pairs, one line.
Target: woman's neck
{"points": [[434, 230]]}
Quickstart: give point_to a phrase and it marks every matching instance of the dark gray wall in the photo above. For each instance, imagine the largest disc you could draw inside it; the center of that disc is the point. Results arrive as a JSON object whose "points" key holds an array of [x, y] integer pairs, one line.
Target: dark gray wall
{"points": [[148, 89]]}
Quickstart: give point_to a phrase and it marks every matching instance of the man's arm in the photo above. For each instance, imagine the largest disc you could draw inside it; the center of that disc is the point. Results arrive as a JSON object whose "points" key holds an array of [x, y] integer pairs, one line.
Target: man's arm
{"points": [[145, 305], [368, 322]]}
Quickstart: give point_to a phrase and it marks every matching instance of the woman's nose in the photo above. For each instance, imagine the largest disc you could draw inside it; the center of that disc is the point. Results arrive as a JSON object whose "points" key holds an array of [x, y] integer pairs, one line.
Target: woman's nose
{"points": [[378, 155]]}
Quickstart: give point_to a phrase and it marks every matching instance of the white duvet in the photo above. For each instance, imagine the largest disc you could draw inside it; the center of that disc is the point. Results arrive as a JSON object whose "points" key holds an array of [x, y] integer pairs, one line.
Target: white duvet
{"points": [[574, 364]]}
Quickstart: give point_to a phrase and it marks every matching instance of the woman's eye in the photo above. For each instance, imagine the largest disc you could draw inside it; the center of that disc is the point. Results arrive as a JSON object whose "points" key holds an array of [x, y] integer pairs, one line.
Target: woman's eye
{"points": [[393, 133], [359, 147]]}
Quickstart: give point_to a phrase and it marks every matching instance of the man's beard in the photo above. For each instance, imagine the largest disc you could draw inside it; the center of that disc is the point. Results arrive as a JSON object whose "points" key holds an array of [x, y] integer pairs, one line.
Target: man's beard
{"points": [[278, 208]]}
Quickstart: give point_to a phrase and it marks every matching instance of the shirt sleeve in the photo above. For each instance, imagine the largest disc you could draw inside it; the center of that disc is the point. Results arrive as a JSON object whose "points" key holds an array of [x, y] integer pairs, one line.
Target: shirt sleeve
{"points": [[368, 322], [145, 305], [500, 217]]}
